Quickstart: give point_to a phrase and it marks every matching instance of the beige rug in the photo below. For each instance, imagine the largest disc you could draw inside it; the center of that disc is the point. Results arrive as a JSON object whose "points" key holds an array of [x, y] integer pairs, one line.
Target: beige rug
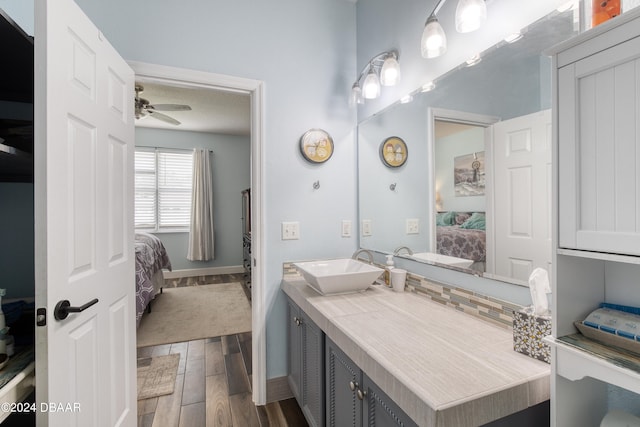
{"points": [[157, 375], [195, 312]]}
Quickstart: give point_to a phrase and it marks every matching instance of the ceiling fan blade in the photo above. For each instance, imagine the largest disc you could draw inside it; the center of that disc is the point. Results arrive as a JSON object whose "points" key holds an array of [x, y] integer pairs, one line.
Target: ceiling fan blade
{"points": [[170, 107], [163, 117]]}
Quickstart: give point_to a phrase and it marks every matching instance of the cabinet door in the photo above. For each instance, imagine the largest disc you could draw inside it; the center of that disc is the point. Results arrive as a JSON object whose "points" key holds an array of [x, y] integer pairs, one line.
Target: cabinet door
{"points": [[312, 372], [599, 151], [343, 378], [380, 410], [294, 356]]}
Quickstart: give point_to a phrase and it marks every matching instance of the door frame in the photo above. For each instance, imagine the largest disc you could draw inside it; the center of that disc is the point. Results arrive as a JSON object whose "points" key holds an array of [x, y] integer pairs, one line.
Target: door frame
{"points": [[255, 89], [455, 116]]}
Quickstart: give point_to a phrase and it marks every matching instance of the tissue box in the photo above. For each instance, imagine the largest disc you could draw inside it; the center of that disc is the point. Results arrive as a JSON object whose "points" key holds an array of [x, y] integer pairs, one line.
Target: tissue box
{"points": [[528, 331]]}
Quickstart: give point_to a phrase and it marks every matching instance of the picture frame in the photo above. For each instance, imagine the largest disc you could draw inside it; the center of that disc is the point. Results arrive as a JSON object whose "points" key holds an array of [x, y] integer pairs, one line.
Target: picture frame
{"points": [[316, 146], [393, 152], [469, 175]]}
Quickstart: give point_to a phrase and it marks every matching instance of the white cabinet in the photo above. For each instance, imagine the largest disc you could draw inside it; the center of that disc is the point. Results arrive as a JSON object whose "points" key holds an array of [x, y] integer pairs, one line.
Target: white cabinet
{"points": [[597, 204], [598, 95]]}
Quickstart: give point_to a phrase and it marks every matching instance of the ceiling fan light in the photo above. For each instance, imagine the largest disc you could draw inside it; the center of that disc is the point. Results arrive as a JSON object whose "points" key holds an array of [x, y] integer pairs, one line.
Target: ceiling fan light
{"points": [[470, 14], [390, 72], [371, 85], [434, 40]]}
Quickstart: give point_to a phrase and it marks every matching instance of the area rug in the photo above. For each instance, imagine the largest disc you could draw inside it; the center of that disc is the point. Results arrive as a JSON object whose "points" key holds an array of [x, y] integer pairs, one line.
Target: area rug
{"points": [[195, 312], [157, 375]]}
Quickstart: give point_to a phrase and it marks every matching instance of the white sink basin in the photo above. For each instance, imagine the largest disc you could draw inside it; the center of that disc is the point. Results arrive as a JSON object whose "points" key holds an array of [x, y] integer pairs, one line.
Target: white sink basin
{"points": [[444, 259], [338, 276]]}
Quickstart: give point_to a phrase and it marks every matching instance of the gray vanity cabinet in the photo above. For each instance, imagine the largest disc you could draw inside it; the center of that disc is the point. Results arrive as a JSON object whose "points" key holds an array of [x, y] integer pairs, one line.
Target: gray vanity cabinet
{"points": [[353, 399], [306, 364]]}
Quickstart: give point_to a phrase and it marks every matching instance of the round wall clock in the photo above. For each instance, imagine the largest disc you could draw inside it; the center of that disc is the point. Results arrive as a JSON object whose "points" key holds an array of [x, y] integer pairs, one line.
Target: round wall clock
{"points": [[393, 152], [316, 146]]}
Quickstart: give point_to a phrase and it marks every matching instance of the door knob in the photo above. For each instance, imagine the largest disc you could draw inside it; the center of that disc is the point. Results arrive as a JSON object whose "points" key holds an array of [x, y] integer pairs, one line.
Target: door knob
{"points": [[63, 308]]}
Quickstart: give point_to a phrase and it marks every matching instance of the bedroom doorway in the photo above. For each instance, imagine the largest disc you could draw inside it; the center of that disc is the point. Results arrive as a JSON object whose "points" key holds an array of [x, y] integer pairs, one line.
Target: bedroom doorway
{"points": [[162, 75], [456, 140]]}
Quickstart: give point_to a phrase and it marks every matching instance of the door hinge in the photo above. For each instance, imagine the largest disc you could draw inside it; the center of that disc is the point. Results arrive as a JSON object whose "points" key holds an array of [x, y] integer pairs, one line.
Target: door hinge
{"points": [[41, 316]]}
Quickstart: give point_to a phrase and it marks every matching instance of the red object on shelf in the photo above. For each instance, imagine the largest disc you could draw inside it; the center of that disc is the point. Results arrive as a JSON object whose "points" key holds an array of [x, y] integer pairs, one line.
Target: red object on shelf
{"points": [[603, 10]]}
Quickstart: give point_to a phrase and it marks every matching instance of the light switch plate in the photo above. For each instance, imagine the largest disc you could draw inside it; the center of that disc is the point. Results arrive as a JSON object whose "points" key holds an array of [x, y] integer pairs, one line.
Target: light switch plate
{"points": [[290, 230], [346, 228], [366, 227], [413, 226]]}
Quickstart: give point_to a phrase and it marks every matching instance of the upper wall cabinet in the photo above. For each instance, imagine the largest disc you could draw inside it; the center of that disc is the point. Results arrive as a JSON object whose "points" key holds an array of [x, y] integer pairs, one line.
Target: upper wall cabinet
{"points": [[599, 152]]}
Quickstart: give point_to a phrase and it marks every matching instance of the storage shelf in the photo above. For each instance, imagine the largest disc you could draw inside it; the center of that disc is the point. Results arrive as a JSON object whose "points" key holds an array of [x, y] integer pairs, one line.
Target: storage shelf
{"points": [[627, 259], [578, 357]]}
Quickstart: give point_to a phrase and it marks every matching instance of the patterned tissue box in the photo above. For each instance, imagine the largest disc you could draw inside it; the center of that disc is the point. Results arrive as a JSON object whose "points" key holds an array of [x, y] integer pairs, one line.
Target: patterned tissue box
{"points": [[528, 332]]}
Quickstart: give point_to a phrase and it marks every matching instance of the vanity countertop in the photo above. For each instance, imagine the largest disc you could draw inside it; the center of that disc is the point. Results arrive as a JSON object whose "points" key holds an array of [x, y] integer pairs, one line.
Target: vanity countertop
{"points": [[441, 366]]}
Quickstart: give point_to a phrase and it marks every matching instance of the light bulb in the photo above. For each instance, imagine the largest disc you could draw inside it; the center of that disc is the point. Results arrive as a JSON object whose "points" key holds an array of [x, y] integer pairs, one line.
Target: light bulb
{"points": [[470, 14], [434, 40], [390, 72], [371, 85]]}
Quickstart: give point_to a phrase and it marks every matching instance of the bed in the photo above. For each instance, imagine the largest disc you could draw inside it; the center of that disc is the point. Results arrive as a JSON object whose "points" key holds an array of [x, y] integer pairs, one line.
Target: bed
{"points": [[151, 258], [462, 235]]}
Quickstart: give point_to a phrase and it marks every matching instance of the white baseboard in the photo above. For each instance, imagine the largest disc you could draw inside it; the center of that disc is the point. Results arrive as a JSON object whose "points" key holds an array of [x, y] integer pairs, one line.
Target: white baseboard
{"points": [[209, 271]]}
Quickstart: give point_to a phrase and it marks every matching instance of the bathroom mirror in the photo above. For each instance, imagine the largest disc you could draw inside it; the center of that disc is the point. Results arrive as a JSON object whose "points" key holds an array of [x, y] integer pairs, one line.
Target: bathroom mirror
{"points": [[464, 198]]}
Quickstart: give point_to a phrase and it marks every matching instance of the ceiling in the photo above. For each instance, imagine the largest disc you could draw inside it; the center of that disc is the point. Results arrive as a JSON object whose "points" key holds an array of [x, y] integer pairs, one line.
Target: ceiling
{"points": [[212, 110]]}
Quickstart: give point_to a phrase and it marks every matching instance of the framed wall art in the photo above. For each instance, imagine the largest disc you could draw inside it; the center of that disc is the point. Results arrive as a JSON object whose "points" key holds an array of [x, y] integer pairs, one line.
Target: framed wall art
{"points": [[316, 146], [393, 152], [469, 179]]}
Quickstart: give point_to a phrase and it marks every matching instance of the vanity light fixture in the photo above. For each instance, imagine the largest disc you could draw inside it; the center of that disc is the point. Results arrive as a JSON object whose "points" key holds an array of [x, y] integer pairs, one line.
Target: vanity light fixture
{"points": [[428, 87], [470, 14], [473, 60], [383, 69], [434, 40], [514, 37]]}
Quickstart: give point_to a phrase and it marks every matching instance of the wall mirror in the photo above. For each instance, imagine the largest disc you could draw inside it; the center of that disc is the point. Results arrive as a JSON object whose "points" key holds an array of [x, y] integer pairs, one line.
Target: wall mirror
{"points": [[474, 192]]}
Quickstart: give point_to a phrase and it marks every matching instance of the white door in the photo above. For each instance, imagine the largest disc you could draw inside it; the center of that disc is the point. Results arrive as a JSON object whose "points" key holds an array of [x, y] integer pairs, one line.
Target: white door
{"points": [[522, 195], [84, 133]]}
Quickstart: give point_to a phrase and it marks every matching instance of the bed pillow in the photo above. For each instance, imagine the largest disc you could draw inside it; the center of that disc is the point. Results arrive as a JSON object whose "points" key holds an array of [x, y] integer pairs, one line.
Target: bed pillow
{"points": [[475, 222], [461, 217], [445, 218]]}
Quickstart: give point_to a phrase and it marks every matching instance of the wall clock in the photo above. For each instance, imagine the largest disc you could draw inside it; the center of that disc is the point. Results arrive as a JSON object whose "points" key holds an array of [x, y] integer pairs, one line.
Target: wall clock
{"points": [[393, 152], [316, 146]]}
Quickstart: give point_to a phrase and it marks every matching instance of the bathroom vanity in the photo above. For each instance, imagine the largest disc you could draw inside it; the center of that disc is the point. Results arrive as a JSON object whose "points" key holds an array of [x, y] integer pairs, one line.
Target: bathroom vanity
{"points": [[401, 359]]}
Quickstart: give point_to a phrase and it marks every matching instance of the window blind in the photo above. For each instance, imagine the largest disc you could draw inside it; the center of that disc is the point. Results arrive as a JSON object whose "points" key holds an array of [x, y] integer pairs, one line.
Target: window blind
{"points": [[163, 189]]}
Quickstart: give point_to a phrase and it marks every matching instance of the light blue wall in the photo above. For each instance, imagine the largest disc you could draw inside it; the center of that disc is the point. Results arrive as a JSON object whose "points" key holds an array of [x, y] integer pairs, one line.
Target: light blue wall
{"points": [[16, 239], [231, 175], [305, 52], [389, 209]]}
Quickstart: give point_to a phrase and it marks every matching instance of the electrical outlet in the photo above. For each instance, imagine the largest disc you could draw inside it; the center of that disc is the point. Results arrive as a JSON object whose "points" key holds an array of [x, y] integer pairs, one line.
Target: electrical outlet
{"points": [[366, 227], [413, 226], [346, 228], [290, 230]]}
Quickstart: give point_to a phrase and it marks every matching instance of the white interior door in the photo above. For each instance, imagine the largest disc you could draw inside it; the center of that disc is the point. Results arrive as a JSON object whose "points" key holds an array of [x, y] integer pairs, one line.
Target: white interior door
{"points": [[522, 195], [84, 222]]}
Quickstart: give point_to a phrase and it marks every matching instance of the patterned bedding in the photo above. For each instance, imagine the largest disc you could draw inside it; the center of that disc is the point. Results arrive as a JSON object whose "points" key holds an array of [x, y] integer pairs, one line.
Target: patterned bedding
{"points": [[151, 257], [460, 242]]}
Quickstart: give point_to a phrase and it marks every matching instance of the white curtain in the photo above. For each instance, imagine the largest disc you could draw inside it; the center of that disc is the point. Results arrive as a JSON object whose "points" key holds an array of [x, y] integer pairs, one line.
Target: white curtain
{"points": [[201, 231]]}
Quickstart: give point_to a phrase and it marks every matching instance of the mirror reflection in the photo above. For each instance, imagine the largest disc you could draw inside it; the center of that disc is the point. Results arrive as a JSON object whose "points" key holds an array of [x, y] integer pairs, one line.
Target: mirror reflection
{"points": [[474, 191]]}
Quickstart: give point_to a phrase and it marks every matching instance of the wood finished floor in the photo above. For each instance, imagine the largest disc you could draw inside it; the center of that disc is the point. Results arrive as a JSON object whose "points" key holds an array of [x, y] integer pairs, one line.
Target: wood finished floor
{"points": [[213, 385]]}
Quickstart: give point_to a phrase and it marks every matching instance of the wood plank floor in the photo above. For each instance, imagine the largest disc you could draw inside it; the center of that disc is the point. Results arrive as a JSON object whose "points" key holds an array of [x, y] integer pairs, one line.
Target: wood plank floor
{"points": [[213, 385]]}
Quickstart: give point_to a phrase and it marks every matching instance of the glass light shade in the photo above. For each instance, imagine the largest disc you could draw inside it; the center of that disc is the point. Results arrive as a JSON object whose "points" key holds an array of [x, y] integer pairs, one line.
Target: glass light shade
{"points": [[390, 72], [356, 95], [434, 40], [470, 14], [371, 85]]}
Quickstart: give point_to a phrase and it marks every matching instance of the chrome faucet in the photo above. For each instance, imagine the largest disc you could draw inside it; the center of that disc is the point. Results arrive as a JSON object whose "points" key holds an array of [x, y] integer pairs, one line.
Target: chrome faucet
{"points": [[401, 248], [357, 253]]}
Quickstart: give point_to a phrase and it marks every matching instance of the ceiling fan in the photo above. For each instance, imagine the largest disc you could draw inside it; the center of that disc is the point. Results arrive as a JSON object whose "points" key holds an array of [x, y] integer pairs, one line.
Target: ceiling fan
{"points": [[144, 108]]}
